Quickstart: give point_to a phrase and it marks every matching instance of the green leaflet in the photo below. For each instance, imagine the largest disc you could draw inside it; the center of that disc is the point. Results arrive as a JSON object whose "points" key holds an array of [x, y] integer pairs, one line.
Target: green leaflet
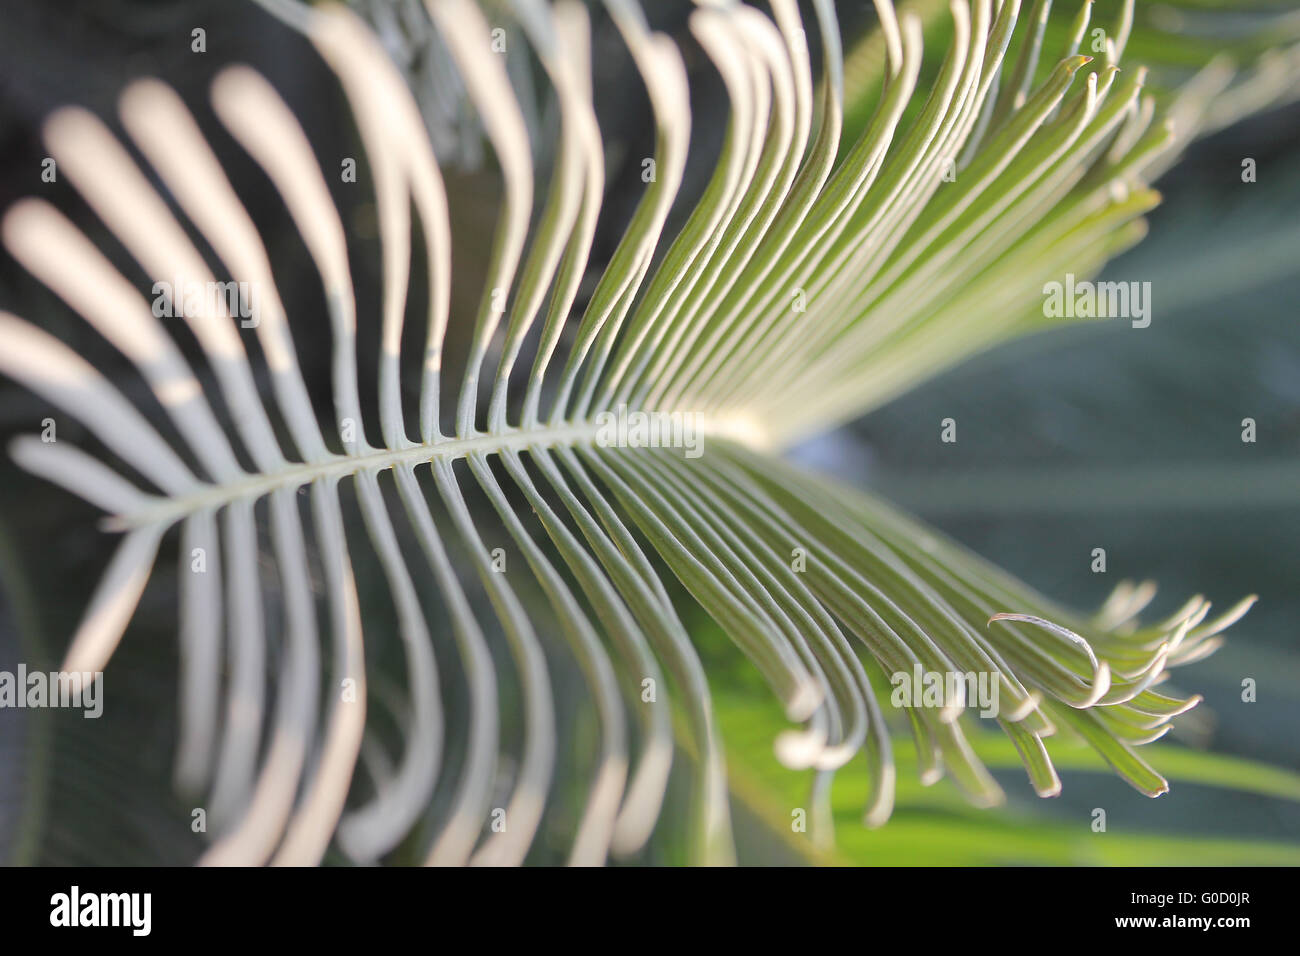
{"points": [[933, 826]]}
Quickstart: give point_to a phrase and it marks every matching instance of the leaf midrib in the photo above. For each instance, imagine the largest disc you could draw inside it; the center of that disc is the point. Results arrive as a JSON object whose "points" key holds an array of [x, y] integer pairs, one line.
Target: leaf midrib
{"points": [[167, 510]]}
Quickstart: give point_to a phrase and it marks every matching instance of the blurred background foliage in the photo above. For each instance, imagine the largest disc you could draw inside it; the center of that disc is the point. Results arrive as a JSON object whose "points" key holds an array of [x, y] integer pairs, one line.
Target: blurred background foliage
{"points": [[1098, 435]]}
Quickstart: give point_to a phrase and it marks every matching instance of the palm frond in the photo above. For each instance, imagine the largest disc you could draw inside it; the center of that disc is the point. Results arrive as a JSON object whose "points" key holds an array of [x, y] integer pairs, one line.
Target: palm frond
{"points": [[802, 290]]}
